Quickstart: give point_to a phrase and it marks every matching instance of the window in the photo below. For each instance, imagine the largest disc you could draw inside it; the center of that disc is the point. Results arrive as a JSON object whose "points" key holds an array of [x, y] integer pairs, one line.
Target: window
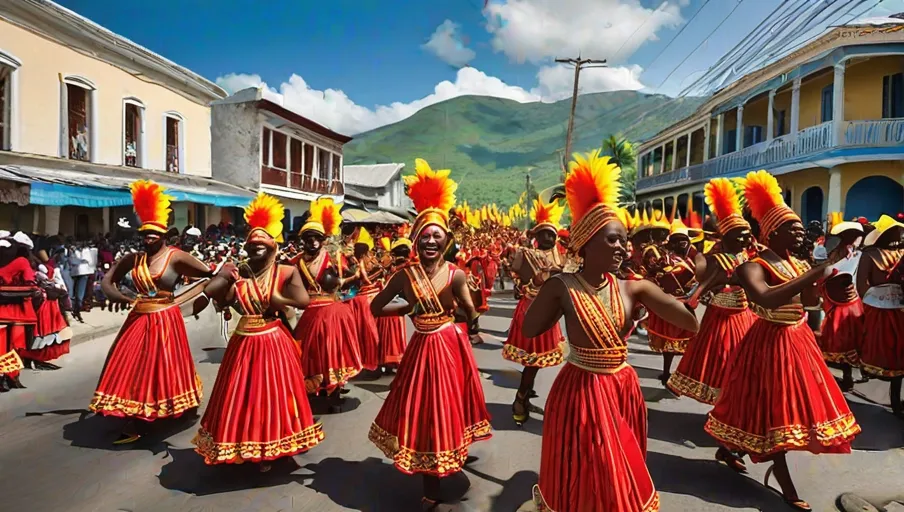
{"points": [[9, 67], [828, 96], [133, 133], [174, 139], [893, 96], [77, 123], [730, 143], [323, 167], [295, 156], [779, 129], [278, 150], [753, 135]]}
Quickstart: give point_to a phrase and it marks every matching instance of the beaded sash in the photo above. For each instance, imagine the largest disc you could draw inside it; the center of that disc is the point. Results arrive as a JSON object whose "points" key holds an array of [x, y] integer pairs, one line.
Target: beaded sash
{"points": [[784, 271], [601, 320], [430, 316]]}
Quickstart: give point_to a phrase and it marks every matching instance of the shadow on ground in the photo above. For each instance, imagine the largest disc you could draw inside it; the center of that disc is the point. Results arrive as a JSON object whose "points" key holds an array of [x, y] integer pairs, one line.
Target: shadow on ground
{"points": [[501, 415], [99, 432], [213, 355], [188, 473], [508, 378], [880, 429], [679, 428], [515, 491]]}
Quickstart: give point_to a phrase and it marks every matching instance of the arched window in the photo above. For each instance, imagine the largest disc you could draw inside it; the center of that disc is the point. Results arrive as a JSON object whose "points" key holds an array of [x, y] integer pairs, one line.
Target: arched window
{"points": [[174, 142], [78, 123], [133, 142], [874, 196], [9, 67]]}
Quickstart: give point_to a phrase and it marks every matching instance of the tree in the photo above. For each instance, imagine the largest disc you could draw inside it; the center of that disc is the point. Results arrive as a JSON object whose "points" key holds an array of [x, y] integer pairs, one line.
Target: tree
{"points": [[624, 155]]}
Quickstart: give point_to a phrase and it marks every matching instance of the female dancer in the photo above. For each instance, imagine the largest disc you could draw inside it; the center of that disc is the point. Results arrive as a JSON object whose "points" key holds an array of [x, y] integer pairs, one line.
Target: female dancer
{"points": [[393, 333]]}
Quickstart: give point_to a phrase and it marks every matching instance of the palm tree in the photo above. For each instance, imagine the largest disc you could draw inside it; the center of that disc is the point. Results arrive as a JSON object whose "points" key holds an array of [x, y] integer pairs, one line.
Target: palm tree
{"points": [[624, 155]]}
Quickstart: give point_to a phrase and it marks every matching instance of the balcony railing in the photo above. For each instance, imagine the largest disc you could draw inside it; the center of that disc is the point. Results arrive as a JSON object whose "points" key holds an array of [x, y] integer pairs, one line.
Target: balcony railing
{"points": [[785, 149], [301, 182]]}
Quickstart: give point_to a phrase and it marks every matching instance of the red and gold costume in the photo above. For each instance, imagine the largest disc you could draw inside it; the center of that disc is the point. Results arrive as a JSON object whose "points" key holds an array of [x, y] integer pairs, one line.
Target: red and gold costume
{"points": [[52, 334], [17, 284], [327, 330], [149, 373], [842, 328], [675, 275], [259, 408], [547, 349], [594, 429], [436, 408], [392, 329], [703, 367], [367, 273], [882, 351], [779, 395]]}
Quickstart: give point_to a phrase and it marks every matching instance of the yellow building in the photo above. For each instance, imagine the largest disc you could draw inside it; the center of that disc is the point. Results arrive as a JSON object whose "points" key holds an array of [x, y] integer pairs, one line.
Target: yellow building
{"points": [[826, 119], [83, 112]]}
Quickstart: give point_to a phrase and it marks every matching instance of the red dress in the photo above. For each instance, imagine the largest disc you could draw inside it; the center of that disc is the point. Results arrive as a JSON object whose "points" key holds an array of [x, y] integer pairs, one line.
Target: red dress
{"points": [[52, 333], [16, 276], [842, 328], [882, 351], [368, 333], [594, 429], [327, 332], [665, 337], [702, 368], [435, 408], [393, 337], [149, 372], [258, 410], [778, 394]]}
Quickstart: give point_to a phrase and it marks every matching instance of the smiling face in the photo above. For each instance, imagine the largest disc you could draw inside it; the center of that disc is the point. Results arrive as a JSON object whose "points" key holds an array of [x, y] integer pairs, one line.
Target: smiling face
{"points": [[401, 254], [431, 242], [608, 246]]}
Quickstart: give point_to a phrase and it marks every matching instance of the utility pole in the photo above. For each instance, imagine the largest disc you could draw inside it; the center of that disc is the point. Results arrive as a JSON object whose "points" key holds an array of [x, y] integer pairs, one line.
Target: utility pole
{"points": [[527, 196], [578, 64]]}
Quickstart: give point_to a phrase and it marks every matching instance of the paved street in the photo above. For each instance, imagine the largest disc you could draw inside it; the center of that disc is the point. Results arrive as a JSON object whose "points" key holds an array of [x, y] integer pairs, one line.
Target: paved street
{"points": [[55, 456]]}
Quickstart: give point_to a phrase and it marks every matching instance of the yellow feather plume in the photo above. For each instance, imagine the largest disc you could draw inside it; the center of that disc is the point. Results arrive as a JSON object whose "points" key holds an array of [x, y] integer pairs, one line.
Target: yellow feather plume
{"points": [[364, 238], [266, 212], [429, 188], [152, 205], [325, 211], [591, 180]]}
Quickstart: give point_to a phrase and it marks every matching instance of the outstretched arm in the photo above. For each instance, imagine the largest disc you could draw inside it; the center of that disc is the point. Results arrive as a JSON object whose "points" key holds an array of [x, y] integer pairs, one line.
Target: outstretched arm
{"points": [[546, 309], [381, 306], [463, 297], [753, 279], [663, 305], [187, 265], [111, 279]]}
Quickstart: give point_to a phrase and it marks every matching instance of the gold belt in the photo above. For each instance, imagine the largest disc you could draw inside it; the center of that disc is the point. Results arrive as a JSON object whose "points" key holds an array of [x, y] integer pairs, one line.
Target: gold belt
{"points": [[598, 360], [251, 325], [792, 314], [153, 304], [730, 300], [428, 324]]}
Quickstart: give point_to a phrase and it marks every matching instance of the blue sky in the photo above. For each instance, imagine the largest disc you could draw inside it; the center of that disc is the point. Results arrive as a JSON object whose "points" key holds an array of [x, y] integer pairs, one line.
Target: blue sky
{"points": [[357, 64]]}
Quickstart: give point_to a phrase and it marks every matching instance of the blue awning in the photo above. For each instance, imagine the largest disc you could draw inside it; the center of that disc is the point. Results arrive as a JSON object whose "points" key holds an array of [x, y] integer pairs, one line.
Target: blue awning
{"points": [[57, 194]]}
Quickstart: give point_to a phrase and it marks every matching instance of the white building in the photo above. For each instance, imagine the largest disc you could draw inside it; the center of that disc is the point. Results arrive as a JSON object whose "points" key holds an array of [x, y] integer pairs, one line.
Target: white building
{"points": [[377, 187]]}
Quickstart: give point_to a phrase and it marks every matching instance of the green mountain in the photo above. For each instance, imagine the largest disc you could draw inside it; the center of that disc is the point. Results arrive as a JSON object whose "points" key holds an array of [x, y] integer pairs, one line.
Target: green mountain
{"points": [[491, 143]]}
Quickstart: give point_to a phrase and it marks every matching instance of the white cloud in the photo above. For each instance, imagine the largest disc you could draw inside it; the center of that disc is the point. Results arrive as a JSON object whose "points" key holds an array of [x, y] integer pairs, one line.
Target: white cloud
{"points": [[537, 30], [446, 44], [333, 108]]}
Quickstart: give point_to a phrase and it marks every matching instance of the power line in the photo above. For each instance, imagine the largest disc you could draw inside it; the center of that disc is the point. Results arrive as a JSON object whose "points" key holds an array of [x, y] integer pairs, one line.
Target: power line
{"points": [[578, 64], [636, 30], [677, 35]]}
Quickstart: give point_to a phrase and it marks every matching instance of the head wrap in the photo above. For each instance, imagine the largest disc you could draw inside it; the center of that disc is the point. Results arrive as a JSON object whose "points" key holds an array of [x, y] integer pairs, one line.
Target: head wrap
{"points": [[364, 238], [264, 215], [546, 215], [401, 242], [325, 217], [23, 239], [882, 225], [193, 231], [152, 205], [591, 190], [678, 228], [433, 195], [723, 200], [764, 197]]}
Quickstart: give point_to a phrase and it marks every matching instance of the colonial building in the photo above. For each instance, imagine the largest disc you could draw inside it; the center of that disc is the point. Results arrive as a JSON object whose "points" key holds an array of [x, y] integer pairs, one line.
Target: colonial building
{"points": [[377, 188], [826, 119], [83, 112], [260, 144]]}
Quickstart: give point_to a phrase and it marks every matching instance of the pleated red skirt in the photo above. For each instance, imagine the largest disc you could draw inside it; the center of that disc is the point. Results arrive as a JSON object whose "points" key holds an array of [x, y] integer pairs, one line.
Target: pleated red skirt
{"points": [[10, 362], [665, 337], [21, 313], [841, 331], [149, 372], [393, 337], [882, 351], [702, 368], [435, 408], [780, 396], [594, 445], [54, 330], [258, 410], [328, 335], [541, 351], [368, 336]]}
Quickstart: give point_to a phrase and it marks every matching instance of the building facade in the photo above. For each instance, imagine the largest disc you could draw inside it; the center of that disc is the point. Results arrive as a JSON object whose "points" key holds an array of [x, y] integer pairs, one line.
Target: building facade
{"points": [[260, 144], [827, 120], [85, 112], [377, 187]]}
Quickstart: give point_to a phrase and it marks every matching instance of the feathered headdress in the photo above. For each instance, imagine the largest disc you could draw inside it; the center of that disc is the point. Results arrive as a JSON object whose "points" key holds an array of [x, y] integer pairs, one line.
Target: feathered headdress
{"points": [[723, 200], [660, 221], [401, 242], [591, 190], [364, 238], [325, 217], [385, 243], [152, 205], [546, 215], [265, 215], [678, 228], [764, 197], [433, 195]]}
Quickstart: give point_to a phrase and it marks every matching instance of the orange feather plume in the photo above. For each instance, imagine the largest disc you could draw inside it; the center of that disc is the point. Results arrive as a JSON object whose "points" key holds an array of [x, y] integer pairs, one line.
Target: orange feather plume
{"points": [[546, 213], [152, 205], [430, 189], [591, 180], [762, 193], [325, 211], [722, 198], [385, 243], [266, 213]]}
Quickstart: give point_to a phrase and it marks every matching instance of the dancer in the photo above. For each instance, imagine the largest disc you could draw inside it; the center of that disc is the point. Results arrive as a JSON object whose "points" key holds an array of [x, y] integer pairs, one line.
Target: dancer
{"points": [[534, 267], [435, 409], [594, 430], [841, 332], [366, 273], [392, 329], [779, 395], [52, 333], [259, 410], [879, 282], [327, 330], [17, 312], [149, 373]]}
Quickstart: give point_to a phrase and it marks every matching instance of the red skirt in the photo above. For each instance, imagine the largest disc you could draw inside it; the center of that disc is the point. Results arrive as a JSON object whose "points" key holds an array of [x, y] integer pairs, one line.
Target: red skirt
{"points": [[328, 334], [435, 409], [665, 337], [52, 333], [594, 445], [393, 337], [10, 363], [701, 372], [21, 313], [779, 396], [149, 373], [542, 351], [259, 408], [368, 336], [841, 331], [882, 352]]}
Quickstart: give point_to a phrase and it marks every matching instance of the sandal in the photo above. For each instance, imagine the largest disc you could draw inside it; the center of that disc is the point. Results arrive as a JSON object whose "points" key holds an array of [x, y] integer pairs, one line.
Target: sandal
{"points": [[796, 504], [127, 439], [731, 460], [522, 415]]}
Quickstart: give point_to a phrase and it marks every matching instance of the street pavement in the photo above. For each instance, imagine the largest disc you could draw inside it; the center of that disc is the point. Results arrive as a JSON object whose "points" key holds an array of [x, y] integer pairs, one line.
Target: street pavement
{"points": [[56, 456]]}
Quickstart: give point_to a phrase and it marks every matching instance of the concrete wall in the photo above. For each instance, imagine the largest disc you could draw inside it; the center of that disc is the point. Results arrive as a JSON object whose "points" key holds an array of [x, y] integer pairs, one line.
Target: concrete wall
{"points": [[863, 86], [236, 144], [811, 99], [38, 111]]}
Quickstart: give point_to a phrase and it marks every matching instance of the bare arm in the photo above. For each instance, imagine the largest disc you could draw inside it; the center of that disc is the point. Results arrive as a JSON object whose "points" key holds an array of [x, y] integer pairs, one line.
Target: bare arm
{"points": [[463, 296], [753, 279], [293, 293], [111, 279], [864, 268], [546, 309], [663, 305], [381, 306], [219, 289], [187, 265]]}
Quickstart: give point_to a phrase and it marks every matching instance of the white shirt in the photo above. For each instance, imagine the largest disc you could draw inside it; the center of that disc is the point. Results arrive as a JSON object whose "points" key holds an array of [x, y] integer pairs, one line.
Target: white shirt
{"points": [[83, 261]]}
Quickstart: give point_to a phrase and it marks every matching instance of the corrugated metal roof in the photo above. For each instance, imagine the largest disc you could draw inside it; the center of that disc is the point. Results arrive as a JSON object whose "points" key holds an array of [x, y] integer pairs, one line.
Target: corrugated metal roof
{"points": [[371, 176]]}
